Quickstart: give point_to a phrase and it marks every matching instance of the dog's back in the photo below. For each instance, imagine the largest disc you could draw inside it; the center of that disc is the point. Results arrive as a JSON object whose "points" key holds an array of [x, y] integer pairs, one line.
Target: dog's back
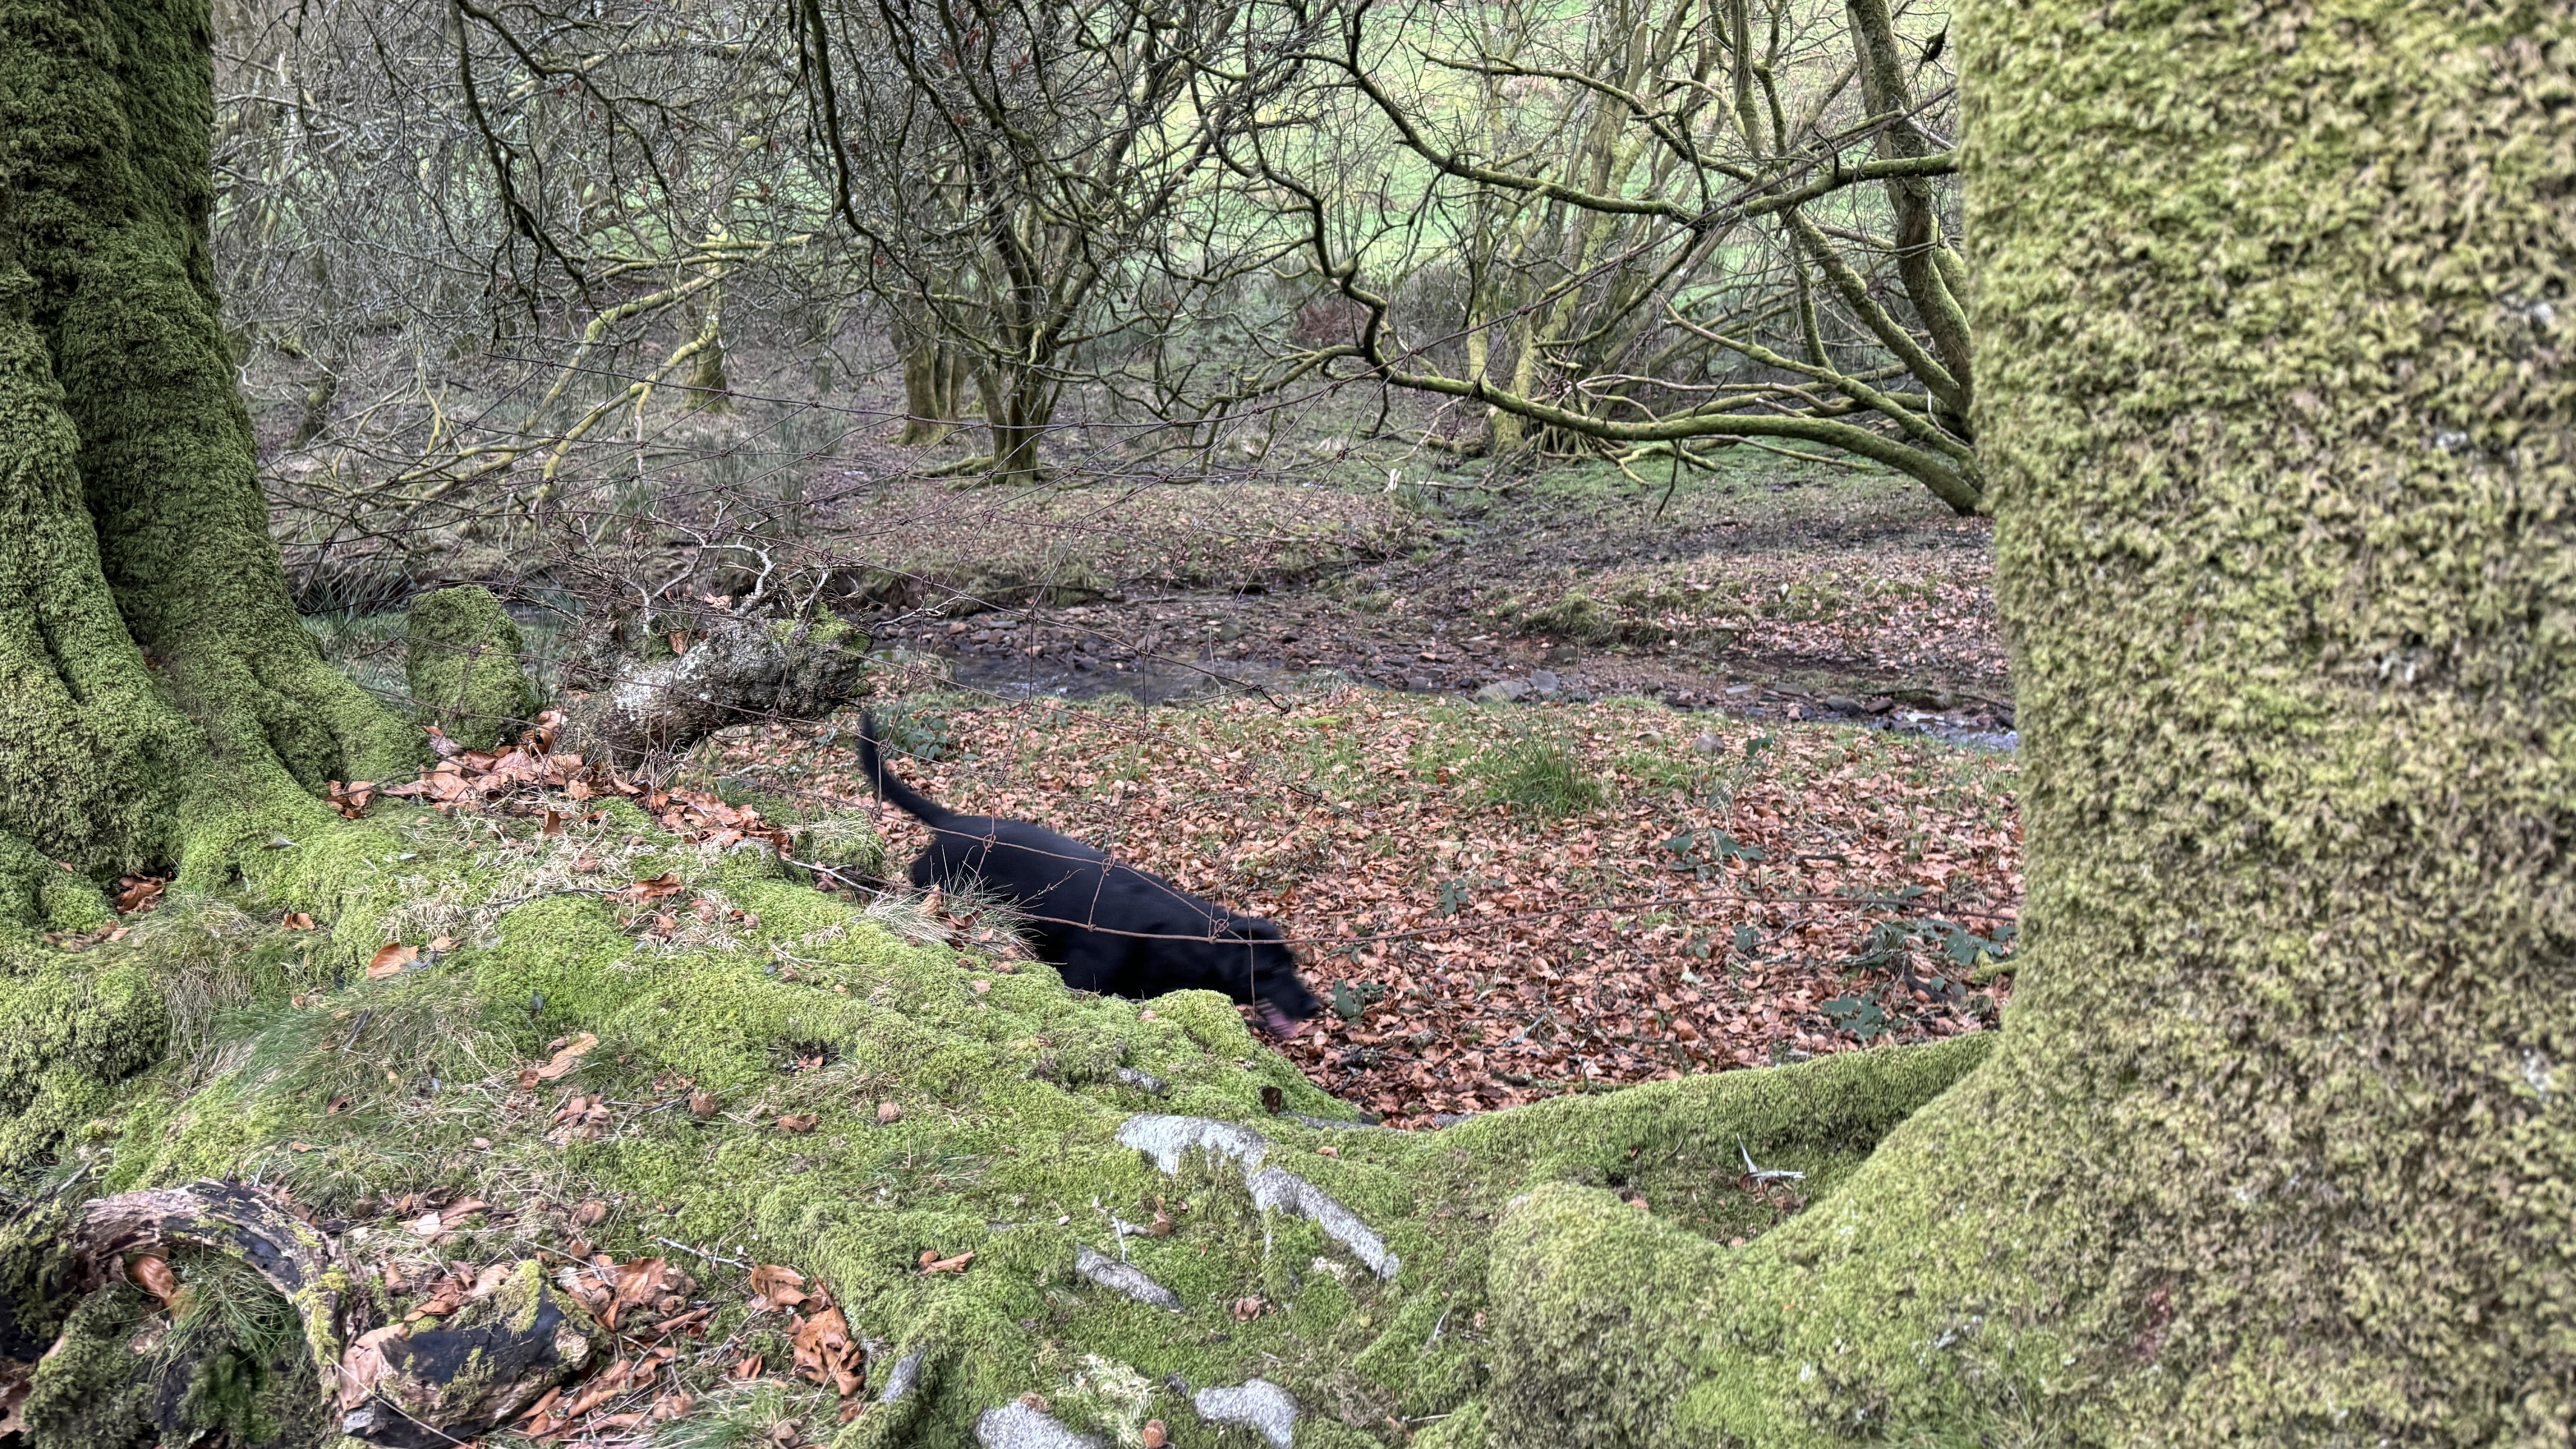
{"points": [[1109, 927]]}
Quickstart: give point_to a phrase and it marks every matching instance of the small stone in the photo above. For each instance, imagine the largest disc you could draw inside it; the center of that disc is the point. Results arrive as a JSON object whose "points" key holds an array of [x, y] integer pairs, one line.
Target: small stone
{"points": [[1017, 1426], [907, 1372], [1262, 1405], [1843, 704], [888, 1114], [1124, 1278], [1707, 743], [1274, 1189], [1168, 1139], [1543, 680], [1503, 691]]}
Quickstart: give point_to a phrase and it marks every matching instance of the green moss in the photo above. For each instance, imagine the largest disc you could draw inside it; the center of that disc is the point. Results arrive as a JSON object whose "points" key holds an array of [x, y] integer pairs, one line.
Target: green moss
{"points": [[230, 1365], [75, 1029], [464, 667], [1008, 1104], [88, 1394], [98, 758]]}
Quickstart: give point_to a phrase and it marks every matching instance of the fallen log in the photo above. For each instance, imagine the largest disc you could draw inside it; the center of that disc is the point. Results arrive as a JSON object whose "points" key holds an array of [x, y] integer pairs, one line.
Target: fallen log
{"points": [[736, 669]]}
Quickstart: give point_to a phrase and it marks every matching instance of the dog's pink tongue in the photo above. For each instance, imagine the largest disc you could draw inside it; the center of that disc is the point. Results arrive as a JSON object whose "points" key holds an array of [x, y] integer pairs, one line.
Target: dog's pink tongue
{"points": [[1279, 1024]]}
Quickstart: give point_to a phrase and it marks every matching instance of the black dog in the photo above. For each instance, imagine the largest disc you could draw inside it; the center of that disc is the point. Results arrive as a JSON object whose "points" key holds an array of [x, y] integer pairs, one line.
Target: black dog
{"points": [[1107, 927]]}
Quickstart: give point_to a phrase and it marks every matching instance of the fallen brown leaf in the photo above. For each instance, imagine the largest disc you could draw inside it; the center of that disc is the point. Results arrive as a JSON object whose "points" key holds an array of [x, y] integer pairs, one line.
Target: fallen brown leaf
{"points": [[152, 1274], [390, 960], [666, 884], [567, 1057], [297, 921], [798, 1122], [538, 1410], [773, 1286], [949, 1265]]}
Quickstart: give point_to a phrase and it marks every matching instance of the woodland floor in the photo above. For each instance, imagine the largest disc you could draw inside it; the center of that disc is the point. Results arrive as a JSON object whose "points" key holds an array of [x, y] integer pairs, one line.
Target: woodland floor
{"points": [[1666, 857], [1507, 903], [1754, 800]]}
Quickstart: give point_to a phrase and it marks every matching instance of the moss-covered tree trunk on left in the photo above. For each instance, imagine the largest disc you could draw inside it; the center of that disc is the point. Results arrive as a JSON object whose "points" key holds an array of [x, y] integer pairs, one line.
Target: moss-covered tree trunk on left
{"points": [[154, 680]]}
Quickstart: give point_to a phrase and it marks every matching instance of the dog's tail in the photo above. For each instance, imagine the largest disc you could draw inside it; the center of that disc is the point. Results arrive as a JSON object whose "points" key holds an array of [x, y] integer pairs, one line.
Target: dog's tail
{"points": [[891, 786]]}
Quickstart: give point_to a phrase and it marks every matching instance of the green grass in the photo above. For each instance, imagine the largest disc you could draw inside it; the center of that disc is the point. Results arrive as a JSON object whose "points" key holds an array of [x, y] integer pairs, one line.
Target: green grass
{"points": [[1538, 772]]}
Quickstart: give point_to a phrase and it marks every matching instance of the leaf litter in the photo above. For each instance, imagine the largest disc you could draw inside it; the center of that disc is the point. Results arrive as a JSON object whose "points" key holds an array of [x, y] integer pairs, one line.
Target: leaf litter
{"points": [[1502, 905]]}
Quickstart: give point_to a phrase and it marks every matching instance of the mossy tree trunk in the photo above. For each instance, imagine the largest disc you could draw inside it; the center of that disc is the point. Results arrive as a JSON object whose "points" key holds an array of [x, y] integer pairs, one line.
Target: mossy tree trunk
{"points": [[2278, 1144], [935, 375], [1019, 407], [150, 661]]}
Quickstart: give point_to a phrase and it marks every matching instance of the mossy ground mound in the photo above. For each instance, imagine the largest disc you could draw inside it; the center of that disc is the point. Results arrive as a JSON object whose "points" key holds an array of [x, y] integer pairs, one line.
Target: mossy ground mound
{"points": [[957, 1105]]}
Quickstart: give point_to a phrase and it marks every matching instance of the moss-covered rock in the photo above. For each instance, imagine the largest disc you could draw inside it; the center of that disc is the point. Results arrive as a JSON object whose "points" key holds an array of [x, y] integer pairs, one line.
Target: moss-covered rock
{"points": [[464, 665]]}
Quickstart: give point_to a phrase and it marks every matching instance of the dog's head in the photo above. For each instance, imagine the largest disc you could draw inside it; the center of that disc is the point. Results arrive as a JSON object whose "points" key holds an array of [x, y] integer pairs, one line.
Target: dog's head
{"points": [[1277, 992]]}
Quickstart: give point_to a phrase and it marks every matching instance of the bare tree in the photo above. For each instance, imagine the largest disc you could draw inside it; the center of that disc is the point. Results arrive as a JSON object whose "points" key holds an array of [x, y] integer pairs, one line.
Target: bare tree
{"points": [[1025, 175], [1679, 222]]}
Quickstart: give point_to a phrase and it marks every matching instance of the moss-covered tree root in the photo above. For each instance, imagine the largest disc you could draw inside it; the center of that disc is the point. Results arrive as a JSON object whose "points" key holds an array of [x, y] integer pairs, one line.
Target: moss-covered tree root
{"points": [[959, 1109]]}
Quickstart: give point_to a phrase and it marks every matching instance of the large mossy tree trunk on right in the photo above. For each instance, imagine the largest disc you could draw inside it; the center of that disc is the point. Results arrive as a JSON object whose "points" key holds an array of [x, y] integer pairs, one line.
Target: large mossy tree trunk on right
{"points": [[2280, 1143]]}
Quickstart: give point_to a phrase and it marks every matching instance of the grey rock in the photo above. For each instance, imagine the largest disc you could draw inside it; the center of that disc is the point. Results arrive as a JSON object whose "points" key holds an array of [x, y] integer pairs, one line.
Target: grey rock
{"points": [[1843, 704], [1285, 1191], [1707, 743], [1503, 691], [1543, 680], [1263, 1405], [1167, 1139], [907, 1372], [1125, 1278], [1017, 1426], [1146, 1081]]}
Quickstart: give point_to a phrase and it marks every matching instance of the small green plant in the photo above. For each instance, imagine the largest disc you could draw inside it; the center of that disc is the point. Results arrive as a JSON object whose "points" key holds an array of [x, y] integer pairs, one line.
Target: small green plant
{"points": [[1350, 998], [910, 731], [1860, 1016], [1455, 894], [1702, 852], [1540, 773]]}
